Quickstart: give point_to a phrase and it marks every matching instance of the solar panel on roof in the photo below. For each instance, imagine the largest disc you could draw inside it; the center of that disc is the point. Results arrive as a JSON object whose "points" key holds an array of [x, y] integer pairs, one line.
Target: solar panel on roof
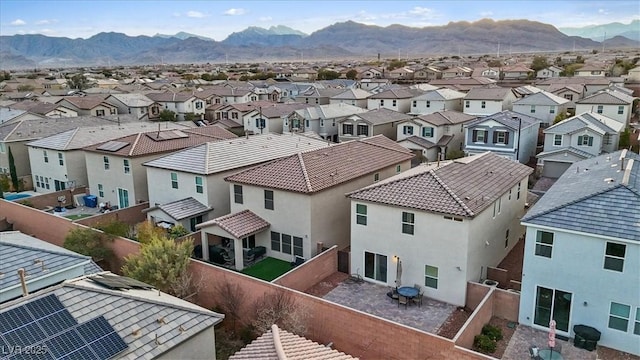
{"points": [[112, 146], [167, 135]]}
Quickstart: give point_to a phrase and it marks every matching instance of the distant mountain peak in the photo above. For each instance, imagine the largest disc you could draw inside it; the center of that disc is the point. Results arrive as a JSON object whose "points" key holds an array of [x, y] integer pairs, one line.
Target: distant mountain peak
{"points": [[182, 36], [607, 31]]}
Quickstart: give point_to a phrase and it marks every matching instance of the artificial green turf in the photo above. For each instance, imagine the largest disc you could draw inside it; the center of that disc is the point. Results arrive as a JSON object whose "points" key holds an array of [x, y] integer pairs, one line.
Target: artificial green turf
{"points": [[268, 269]]}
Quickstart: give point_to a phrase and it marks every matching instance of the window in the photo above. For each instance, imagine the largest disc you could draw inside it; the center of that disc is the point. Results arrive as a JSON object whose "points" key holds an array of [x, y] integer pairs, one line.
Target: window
{"points": [[46, 157], [510, 190], [99, 112], [3, 148], [585, 140], [297, 246], [38, 181], [408, 220], [195, 221], [544, 243], [619, 316], [321, 122], [260, 123], [46, 182], [361, 214], [407, 130], [557, 140], [198, 105], [375, 266], [479, 136], [483, 104], [600, 109], [347, 129], [501, 137], [568, 97], [518, 193], [249, 242], [607, 139], [533, 109], [286, 244], [268, 199], [381, 102], [414, 104], [506, 239], [614, 256], [237, 194], [393, 103], [60, 159], [376, 177], [398, 169], [496, 207], [126, 165], [307, 123], [431, 276], [620, 110], [174, 180], [428, 103], [552, 110], [275, 241], [427, 131], [100, 191], [199, 187], [105, 161], [636, 325], [234, 115], [363, 130], [466, 104]]}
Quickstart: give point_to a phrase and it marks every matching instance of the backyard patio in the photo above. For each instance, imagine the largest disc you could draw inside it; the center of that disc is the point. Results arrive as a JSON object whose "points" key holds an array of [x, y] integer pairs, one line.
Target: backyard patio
{"points": [[372, 299]]}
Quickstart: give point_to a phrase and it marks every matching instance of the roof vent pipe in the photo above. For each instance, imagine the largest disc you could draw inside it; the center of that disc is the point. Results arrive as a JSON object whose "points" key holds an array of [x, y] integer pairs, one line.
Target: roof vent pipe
{"points": [[23, 282]]}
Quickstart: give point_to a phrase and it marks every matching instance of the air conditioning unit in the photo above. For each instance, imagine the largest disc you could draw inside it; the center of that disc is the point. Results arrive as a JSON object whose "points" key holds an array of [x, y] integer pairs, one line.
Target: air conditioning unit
{"points": [[491, 283]]}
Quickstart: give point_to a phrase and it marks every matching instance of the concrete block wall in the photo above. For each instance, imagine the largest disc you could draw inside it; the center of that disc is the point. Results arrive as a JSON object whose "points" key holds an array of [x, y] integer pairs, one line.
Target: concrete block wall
{"points": [[311, 272]]}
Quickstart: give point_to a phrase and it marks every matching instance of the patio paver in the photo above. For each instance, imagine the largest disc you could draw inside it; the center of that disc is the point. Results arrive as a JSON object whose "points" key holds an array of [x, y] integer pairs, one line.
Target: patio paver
{"points": [[526, 336], [372, 299]]}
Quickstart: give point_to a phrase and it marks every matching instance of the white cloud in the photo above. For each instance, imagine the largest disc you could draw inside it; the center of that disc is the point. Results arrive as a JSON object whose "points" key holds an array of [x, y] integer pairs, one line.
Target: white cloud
{"points": [[265, 19], [234, 11], [18, 22], [486, 13], [420, 11], [195, 14], [47, 31], [46, 21]]}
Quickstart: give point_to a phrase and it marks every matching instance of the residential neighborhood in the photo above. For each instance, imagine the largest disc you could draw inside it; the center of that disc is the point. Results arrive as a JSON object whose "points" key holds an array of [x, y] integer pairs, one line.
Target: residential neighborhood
{"points": [[403, 206]]}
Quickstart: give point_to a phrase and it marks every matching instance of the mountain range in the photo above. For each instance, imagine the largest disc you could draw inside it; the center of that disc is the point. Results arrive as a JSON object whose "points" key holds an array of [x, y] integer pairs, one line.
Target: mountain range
{"points": [[338, 41], [606, 31]]}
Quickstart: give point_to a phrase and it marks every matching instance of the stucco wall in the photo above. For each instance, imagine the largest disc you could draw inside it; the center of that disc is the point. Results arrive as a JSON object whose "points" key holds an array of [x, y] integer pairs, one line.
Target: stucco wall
{"points": [[311, 272]]}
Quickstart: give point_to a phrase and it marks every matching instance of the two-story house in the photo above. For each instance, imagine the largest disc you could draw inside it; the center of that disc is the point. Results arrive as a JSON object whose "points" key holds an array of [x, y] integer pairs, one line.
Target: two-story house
{"points": [[432, 136], [542, 105], [591, 70], [396, 99], [353, 96], [114, 168], [515, 72], [270, 119], [317, 96], [181, 103], [582, 253], [436, 100], [401, 73], [373, 122], [456, 72], [463, 84], [322, 119], [488, 100], [45, 109], [427, 73], [306, 210], [610, 103], [507, 133], [140, 106], [444, 221], [590, 84], [577, 138], [549, 72], [88, 105]]}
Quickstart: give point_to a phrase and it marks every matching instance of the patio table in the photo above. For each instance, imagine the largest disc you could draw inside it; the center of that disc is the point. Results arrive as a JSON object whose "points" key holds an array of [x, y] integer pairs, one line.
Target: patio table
{"points": [[407, 291], [546, 354]]}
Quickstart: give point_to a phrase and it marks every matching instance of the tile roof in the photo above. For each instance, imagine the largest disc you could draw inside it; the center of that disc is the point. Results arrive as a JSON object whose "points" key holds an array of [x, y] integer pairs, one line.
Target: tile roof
{"points": [[133, 99], [488, 93], [36, 107], [352, 94], [38, 128], [473, 81], [330, 111], [607, 98], [507, 118], [568, 149], [401, 93], [84, 102], [556, 88], [278, 110], [146, 143], [240, 224], [170, 96], [420, 141], [594, 196], [596, 122], [7, 114], [137, 315], [516, 68], [576, 80], [462, 187], [219, 156], [184, 208], [542, 98], [380, 116], [290, 346], [317, 170], [440, 95], [446, 117], [81, 137]]}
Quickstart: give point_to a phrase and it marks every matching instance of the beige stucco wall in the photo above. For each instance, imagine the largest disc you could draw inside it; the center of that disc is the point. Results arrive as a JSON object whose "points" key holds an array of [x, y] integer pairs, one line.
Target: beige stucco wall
{"points": [[199, 346], [73, 167]]}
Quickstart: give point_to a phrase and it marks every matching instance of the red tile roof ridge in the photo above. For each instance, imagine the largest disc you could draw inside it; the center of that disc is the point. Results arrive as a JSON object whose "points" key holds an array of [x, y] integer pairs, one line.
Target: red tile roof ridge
{"points": [[135, 142], [455, 197], [303, 167], [367, 140]]}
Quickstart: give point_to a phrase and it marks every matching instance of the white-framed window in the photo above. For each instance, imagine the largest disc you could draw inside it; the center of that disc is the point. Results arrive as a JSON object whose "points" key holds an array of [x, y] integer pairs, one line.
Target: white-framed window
{"points": [[237, 194], [46, 182], [414, 103], [518, 193], [3, 148], [198, 105], [466, 103], [199, 185], [297, 246], [398, 169], [619, 316], [431, 276], [394, 103], [408, 222], [100, 112], [636, 323], [105, 161], [38, 181], [361, 214], [321, 122], [268, 199], [174, 180], [533, 109], [286, 244], [544, 243], [620, 109], [427, 131], [407, 130], [428, 103], [275, 241], [307, 123], [126, 165], [60, 159], [483, 104], [600, 109], [100, 190], [552, 110], [501, 137], [510, 190], [376, 177], [363, 130], [375, 266], [557, 140], [381, 102], [46, 156], [347, 129], [479, 136], [568, 97], [585, 140], [614, 254]]}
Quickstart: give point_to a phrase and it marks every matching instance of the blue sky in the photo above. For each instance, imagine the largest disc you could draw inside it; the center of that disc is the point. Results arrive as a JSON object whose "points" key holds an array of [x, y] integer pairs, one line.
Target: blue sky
{"points": [[218, 19]]}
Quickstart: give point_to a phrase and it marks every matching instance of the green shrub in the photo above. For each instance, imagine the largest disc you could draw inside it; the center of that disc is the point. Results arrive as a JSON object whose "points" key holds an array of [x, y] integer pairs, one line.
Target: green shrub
{"points": [[493, 332], [484, 344]]}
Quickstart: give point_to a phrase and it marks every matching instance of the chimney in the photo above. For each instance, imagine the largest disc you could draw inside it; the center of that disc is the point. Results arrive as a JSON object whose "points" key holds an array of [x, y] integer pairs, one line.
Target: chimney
{"points": [[23, 282]]}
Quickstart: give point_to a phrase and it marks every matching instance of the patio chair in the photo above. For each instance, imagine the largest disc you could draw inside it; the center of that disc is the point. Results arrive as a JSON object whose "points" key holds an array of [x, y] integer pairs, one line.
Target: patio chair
{"points": [[417, 286], [533, 352], [418, 299], [402, 300], [393, 294]]}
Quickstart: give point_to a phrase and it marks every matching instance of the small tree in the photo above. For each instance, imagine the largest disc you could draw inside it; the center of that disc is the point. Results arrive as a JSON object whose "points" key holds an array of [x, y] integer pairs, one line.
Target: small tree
{"points": [[189, 116], [561, 116], [455, 154], [232, 299], [115, 228], [78, 82], [88, 242], [625, 139], [161, 262], [279, 308], [167, 115], [539, 63], [25, 87], [352, 74], [178, 231], [13, 173], [145, 231]]}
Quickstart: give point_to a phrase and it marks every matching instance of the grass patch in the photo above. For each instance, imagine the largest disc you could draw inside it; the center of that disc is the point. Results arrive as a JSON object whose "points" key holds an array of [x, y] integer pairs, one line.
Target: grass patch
{"points": [[78, 216], [268, 269]]}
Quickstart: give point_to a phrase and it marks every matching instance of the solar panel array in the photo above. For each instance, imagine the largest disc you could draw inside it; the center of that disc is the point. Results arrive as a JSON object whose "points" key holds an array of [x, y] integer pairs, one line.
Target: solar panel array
{"points": [[167, 135], [112, 146], [47, 330]]}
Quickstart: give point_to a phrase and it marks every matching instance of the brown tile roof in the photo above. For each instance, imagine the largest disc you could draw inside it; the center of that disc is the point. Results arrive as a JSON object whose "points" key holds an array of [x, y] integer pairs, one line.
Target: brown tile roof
{"points": [[446, 117], [379, 116], [170, 96], [85, 102], [278, 344], [491, 93], [146, 143], [463, 187], [240, 224], [317, 170]]}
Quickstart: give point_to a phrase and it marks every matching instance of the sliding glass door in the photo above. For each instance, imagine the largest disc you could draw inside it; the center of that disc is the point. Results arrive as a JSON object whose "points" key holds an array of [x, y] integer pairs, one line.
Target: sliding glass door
{"points": [[553, 304]]}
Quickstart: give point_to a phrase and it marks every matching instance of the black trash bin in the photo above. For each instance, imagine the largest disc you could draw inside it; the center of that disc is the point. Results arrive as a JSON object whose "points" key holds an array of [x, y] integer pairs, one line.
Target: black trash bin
{"points": [[586, 337]]}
